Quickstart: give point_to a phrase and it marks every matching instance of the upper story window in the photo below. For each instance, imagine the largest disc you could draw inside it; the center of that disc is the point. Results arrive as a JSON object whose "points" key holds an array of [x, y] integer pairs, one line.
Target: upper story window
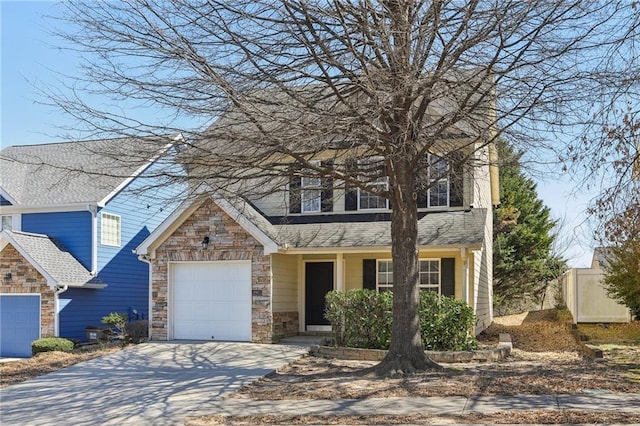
{"points": [[367, 200], [110, 229], [430, 276], [370, 201], [438, 182], [311, 194], [7, 223]]}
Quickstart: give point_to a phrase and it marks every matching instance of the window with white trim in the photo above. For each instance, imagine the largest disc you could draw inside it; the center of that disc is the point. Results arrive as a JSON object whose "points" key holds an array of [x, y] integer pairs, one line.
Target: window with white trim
{"points": [[429, 273], [110, 229], [385, 275], [368, 200], [311, 194], [7, 223], [439, 182]]}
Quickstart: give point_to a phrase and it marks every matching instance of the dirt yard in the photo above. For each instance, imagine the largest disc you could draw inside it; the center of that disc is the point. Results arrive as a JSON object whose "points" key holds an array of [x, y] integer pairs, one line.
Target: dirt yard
{"points": [[545, 360]]}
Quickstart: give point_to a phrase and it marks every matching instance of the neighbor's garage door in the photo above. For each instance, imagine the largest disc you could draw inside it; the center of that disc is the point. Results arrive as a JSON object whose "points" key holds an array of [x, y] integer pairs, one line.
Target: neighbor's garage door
{"points": [[19, 324], [212, 300]]}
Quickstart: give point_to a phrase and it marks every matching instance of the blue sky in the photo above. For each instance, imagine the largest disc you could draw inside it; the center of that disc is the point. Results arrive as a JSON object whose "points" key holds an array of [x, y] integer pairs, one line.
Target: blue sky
{"points": [[29, 61]]}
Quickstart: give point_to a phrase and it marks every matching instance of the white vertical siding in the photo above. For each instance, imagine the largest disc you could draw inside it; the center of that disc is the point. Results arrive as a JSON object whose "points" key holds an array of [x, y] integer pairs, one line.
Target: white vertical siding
{"points": [[483, 277], [481, 184]]}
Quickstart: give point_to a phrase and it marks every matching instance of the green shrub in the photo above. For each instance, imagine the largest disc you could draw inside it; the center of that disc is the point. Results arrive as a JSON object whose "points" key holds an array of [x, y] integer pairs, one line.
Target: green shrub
{"points": [[363, 318], [360, 318], [445, 323], [50, 344], [119, 322]]}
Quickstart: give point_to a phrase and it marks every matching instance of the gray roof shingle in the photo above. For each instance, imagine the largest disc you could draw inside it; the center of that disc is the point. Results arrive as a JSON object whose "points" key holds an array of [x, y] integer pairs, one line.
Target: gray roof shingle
{"points": [[53, 258], [456, 228], [73, 172], [446, 228]]}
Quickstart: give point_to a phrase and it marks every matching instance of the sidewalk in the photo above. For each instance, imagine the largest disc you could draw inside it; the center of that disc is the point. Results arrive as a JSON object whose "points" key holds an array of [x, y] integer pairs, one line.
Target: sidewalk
{"points": [[458, 405]]}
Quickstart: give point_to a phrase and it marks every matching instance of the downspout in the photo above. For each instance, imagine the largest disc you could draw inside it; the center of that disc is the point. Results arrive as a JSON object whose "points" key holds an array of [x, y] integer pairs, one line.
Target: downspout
{"points": [[94, 238], [56, 303], [145, 258], [465, 274]]}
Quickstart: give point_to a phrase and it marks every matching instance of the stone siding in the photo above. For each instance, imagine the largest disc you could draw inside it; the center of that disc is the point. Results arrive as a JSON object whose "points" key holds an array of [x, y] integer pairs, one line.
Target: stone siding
{"points": [[285, 324], [25, 279], [228, 241]]}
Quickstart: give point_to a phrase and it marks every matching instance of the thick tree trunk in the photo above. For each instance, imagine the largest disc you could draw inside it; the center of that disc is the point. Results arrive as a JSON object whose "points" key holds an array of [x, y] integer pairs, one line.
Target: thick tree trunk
{"points": [[406, 354]]}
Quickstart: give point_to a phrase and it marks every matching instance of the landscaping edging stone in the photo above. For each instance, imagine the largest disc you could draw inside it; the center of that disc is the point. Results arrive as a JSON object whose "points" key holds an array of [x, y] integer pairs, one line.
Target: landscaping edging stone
{"points": [[498, 353], [591, 351]]}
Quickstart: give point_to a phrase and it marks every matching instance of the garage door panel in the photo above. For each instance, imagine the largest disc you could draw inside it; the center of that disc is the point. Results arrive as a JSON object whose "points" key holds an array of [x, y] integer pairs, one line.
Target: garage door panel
{"points": [[212, 301], [19, 324]]}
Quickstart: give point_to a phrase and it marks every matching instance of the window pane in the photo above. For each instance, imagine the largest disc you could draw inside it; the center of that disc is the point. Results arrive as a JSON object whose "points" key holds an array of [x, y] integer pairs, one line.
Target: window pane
{"points": [[310, 182], [437, 168], [439, 194], [7, 223], [385, 273], [311, 200], [371, 201], [430, 275], [110, 230]]}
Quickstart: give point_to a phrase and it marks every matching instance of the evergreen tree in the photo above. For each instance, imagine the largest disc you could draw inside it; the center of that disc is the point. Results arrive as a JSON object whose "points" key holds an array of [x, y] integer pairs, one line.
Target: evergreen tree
{"points": [[523, 261], [622, 277], [622, 266]]}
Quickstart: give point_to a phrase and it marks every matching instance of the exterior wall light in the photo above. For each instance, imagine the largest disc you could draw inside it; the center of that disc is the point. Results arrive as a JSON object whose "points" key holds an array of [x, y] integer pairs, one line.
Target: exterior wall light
{"points": [[205, 243]]}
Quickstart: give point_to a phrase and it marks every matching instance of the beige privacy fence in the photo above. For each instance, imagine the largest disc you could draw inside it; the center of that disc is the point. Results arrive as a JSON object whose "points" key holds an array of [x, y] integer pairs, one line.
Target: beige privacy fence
{"points": [[587, 298]]}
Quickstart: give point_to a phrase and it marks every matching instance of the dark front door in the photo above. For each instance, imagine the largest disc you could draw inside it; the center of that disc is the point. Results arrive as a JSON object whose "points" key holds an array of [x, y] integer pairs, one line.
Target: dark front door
{"points": [[318, 281]]}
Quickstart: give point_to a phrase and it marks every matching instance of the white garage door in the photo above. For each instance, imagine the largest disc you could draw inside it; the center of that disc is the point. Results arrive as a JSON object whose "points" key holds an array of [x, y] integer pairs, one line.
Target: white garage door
{"points": [[212, 300]]}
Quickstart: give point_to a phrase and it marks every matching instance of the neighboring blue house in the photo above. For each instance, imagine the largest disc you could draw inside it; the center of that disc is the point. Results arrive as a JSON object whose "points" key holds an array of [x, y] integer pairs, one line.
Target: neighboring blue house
{"points": [[72, 213]]}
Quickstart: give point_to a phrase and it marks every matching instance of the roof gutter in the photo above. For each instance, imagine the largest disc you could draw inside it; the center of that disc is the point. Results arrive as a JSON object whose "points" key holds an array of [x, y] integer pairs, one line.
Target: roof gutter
{"points": [[45, 208]]}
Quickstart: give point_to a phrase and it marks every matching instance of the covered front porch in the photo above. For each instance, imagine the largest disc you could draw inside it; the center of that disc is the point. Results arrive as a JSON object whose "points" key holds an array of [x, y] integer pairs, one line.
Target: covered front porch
{"points": [[301, 280]]}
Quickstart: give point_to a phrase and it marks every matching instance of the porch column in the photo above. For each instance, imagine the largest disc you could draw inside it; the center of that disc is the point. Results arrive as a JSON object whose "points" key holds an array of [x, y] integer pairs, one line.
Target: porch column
{"points": [[339, 272], [465, 274]]}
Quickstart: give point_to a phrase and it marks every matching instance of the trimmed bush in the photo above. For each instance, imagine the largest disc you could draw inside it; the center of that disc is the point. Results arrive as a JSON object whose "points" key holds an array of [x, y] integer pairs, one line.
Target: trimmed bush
{"points": [[50, 344], [362, 319], [445, 323]]}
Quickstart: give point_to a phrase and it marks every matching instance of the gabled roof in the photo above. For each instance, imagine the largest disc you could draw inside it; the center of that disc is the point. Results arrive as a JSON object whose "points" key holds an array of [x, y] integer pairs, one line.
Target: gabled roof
{"points": [[74, 172], [51, 259], [437, 229]]}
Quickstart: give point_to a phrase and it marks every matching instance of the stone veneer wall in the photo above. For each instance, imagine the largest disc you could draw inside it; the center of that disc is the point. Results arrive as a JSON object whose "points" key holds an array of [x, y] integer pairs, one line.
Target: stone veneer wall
{"points": [[229, 241], [285, 324], [26, 279]]}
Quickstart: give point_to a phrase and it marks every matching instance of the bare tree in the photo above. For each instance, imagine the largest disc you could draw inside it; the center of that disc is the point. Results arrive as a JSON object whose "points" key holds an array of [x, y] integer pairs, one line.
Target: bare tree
{"points": [[285, 83]]}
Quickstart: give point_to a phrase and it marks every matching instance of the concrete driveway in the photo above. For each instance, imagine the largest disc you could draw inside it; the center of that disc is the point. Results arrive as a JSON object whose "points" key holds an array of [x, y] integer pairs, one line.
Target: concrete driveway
{"points": [[148, 384]]}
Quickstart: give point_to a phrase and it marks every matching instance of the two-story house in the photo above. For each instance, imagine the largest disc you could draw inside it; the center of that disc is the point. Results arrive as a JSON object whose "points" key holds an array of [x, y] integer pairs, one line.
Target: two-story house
{"points": [[258, 269], [71, 215]]}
